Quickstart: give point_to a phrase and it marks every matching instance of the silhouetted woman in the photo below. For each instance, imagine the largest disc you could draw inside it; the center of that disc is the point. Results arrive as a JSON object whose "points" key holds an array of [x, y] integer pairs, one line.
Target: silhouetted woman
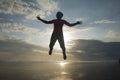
{"points": [[58, 32]]}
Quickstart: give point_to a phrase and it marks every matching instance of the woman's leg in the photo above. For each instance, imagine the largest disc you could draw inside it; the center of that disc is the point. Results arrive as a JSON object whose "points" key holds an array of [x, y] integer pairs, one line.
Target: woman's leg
{"points": [[52, 43], [62, 45]]}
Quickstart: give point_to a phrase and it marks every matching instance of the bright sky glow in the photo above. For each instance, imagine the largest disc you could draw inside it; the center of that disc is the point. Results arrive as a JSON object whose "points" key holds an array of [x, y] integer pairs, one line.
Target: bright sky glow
{"points": [[29, 38]]}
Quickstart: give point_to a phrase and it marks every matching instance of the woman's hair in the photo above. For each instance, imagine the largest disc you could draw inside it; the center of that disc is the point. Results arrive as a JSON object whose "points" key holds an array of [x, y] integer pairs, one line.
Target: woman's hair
{"points": [[59, 15]]}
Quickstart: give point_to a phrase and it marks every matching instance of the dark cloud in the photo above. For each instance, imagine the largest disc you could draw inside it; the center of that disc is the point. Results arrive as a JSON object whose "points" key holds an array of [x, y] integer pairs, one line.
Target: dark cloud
{"points": [[95, 50], [17, 46], [18, 50], [13, 49]]}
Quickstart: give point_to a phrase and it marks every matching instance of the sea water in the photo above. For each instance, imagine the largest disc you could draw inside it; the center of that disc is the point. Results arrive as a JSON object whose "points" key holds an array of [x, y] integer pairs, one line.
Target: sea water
{"points": [[59, 71]]}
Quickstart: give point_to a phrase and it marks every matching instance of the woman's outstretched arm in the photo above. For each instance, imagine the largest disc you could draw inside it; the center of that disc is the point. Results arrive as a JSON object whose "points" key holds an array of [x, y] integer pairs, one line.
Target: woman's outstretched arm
{"points": [[72, 24], [44, 21]]}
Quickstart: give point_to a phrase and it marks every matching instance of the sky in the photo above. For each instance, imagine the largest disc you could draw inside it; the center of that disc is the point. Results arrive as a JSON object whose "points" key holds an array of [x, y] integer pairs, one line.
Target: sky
{"points": [[24, 38]]}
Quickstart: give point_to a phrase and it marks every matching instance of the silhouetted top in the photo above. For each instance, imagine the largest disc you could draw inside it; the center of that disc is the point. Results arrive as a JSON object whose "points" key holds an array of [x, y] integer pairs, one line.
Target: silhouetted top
{"points": [[58, 25]]}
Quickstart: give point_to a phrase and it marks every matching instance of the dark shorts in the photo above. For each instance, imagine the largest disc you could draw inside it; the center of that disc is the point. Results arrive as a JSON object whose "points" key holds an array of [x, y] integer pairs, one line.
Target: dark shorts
{"points": [[55, 37]]}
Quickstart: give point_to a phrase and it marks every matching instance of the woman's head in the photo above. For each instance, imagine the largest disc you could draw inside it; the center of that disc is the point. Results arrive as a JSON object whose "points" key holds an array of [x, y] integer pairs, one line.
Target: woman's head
{"points": [[59, 15]]}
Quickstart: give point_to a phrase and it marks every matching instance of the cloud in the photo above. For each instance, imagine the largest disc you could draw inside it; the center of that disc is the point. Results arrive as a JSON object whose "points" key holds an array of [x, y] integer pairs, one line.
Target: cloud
{"points": [[95, 50], [113, 35], [105, 21], [17, 49], [30, 9], [12, 49], [77, 29], [15, 27], [48, 5], [83, 19], [20, 50]]}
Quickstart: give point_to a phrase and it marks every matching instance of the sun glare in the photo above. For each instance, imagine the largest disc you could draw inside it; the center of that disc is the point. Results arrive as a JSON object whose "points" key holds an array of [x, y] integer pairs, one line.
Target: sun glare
{"points": [[67, 37], [63, 63]]}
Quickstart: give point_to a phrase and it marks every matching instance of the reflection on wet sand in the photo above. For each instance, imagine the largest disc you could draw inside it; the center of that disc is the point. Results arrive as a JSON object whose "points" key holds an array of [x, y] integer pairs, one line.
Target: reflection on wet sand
{"points": [[63, 63], [59, 71]]}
